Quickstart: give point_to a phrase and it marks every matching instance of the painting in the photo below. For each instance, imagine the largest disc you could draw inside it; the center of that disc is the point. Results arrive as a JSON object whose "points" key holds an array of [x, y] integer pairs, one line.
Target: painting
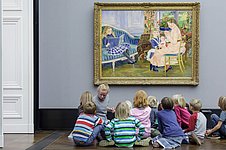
{"points": [[146, 43]]}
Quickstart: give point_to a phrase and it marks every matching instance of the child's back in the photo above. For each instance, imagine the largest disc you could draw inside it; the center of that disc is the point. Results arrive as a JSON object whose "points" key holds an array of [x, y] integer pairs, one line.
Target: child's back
{"points": [[200, 125], [87, 126], [84, 126], [168, 125], [122, 130], [153, 104], [124, 133], [181, 111], [142, 114], [171, 133], [182, 115], [197, 123], [142, 111]]}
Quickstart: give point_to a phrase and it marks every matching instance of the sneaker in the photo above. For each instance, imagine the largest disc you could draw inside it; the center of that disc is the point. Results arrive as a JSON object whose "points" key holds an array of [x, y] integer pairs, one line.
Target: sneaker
{"points": [[155, 145], [104, 143], [196, 139], [144, 142], [213, 137]]}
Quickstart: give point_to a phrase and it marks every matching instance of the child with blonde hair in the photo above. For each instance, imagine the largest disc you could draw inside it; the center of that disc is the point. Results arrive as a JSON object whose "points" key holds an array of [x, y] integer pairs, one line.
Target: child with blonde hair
{"points": [[102, 101], [85, 97], [197, 123], [142, 111], [171, 133], [121, 131], [129, 103], [153, 104], [181, 111], [219, 123], [87, 126]]}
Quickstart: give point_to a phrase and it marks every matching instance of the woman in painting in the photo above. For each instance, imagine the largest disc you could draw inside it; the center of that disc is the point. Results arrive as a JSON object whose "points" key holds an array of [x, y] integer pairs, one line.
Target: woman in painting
{"points": [[114, 44], [174, 38]]}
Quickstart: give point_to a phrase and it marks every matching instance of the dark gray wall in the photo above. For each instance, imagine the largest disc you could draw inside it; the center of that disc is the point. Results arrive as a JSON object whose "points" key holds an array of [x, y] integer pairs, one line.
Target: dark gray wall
{"points": [[66, 55]]}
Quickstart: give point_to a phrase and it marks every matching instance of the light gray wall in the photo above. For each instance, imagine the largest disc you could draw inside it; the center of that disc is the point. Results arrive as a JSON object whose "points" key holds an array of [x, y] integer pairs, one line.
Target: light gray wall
{"points": [[66, 55]]}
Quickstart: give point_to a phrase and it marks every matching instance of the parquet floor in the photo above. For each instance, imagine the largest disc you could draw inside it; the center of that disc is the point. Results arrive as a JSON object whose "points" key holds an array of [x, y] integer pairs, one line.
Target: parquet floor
{"points": [[57, 140]]}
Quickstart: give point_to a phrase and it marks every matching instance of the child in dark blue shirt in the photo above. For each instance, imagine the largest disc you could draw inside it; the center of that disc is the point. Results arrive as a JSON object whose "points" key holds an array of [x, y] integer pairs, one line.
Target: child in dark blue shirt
{"points": [[171, 133]]}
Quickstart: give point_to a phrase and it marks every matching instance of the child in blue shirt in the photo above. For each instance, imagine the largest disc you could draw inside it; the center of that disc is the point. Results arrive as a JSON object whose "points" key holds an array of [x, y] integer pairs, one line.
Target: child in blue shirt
{"points": [[171, 133], [219, 123], [153, 104]]}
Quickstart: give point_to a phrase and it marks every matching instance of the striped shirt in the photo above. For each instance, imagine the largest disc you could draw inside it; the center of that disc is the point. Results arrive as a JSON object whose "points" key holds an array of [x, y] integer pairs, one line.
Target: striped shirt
{"points": [[84, 126], [124, 131]]}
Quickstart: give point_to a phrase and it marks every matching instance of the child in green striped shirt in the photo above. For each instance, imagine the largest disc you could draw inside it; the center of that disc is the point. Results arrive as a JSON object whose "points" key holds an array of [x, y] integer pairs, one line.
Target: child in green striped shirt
{"points": [[121, 131]]}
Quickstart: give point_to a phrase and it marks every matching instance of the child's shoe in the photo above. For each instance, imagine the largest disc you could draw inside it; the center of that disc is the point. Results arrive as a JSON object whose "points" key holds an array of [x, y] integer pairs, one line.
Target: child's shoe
{"points": [[70, 136], [156, 145], [196, 139], [106, 143], [214, 137], [144, 142]]}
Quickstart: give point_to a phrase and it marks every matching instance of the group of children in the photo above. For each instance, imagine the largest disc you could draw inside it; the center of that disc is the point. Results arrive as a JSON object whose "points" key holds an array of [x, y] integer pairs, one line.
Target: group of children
{"points": [[167, 124]]}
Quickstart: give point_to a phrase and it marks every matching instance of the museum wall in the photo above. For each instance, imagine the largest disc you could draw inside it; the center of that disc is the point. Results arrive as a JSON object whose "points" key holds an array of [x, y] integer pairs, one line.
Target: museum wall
{"points": [[66, 55]]}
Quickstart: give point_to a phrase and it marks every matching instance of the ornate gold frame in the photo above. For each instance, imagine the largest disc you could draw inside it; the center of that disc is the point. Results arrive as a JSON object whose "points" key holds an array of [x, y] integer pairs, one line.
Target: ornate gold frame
{"points": [[190, 6]]}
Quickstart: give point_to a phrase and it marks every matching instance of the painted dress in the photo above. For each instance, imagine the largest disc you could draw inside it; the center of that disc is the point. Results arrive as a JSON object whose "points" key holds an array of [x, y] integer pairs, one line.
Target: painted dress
{"points": [[115, 45], [174, 38]]}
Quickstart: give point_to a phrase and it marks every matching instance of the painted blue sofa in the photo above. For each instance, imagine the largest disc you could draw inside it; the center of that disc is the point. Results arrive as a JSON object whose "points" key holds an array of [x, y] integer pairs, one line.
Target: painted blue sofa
{"points": [[127, 38]]}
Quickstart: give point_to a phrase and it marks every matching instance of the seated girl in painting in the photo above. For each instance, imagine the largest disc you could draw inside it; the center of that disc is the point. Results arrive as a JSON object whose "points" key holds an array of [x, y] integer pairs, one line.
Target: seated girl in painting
{"points": [[114, 44], [155, 41]]}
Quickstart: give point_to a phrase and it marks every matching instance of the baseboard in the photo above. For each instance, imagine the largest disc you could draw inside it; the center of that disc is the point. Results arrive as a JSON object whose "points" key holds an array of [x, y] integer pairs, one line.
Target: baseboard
{"points": [[18, 128], [64, 119], [57, 119], [1, 141]]}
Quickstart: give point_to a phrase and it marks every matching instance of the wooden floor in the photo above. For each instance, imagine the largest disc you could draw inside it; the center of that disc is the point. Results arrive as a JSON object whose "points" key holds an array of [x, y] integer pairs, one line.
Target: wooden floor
{"points": [[57, 140]]}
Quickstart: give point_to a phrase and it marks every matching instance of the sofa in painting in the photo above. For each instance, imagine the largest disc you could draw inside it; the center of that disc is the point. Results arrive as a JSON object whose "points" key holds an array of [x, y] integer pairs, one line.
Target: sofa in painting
{"points": [[125, 37]]}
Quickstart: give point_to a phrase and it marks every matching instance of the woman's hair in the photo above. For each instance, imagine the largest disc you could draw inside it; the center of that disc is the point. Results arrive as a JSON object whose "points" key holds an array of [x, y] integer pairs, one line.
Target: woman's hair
{"points": [[129, 103], [103, 87], [167, 103], [179, 99], [196, 104], [140, 99], [222, 102], [152, 101], [122, 111], [105, 31], [85, 97], [89, 108], [173, 20]]}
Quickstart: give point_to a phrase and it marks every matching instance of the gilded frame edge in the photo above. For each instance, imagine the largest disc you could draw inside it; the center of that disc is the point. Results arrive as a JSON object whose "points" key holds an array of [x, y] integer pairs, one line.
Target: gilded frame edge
{"points": [[194, 6]]}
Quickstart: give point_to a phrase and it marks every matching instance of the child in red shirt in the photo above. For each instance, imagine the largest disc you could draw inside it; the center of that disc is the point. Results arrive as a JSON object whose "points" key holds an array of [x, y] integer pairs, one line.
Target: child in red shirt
{"points": [[181, 111]]}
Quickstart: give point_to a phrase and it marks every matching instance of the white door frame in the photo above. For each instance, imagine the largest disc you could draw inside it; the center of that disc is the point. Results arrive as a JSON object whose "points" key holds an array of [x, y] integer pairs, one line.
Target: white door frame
{"points": [[18, 84], [1, 90]]}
